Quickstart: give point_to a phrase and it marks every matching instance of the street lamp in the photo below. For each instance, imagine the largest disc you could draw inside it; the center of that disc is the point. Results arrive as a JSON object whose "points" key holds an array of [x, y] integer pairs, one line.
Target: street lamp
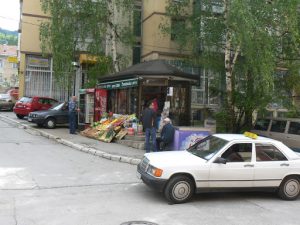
{"points": [[75, 66]]}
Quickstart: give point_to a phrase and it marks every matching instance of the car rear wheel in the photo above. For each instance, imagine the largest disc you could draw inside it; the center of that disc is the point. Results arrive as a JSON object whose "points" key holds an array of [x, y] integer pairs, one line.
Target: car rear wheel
{"points": [[20, 116], [179, 189], [289, 188], [50, 123]]}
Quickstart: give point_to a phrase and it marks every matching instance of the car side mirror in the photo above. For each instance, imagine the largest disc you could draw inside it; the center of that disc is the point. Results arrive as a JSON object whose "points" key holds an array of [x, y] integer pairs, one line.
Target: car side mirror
{"points": [[220, 160]]}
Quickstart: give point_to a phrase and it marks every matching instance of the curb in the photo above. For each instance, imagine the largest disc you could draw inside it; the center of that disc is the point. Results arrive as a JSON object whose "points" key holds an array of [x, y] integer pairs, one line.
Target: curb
{"points": [[89, 150]]}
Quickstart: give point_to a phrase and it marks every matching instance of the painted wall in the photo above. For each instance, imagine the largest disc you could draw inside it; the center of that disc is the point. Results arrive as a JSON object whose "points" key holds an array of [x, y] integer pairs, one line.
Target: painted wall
{"points": [[156, 44]]}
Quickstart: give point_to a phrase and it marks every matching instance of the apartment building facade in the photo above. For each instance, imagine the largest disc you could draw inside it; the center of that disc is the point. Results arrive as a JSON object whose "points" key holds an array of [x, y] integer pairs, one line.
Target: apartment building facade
{"points": [[159, 45], [36, 71], [8, 67]]}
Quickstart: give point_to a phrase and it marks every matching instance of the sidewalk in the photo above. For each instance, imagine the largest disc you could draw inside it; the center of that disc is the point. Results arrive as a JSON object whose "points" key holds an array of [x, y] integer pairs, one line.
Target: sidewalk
{"points": [[111, 151]]}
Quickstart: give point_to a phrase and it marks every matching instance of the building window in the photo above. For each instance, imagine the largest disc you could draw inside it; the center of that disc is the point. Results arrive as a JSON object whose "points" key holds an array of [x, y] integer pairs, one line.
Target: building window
{"points": [[14, 65], [136, 54], [176, 25], [137, 18]]}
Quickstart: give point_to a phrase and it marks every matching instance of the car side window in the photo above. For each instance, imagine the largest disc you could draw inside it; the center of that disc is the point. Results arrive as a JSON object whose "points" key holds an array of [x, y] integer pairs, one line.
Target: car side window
{"points": [[278, 126], [41, 100], [238, 153], [294, 128], [262, 124], [65, 107], [52, 101], [268, 153]]}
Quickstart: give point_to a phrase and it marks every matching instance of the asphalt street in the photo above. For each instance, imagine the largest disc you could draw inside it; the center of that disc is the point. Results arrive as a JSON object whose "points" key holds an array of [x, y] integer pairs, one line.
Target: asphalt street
{"points": [[43, 182]]}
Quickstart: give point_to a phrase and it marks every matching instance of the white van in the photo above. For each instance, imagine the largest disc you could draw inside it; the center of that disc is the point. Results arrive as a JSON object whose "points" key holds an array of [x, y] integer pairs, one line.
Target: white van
{"points": [[286, 130]]}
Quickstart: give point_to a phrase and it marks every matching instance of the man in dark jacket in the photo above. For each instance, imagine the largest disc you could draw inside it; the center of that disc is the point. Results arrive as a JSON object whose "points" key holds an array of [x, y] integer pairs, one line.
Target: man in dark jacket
{"points": [[148, 120], [165, 140]]}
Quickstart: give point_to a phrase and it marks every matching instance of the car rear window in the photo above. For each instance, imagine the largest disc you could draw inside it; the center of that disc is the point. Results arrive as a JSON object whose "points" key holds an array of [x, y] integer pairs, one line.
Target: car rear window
{"points": [[25, 100], [262, 124], [278, 126]]}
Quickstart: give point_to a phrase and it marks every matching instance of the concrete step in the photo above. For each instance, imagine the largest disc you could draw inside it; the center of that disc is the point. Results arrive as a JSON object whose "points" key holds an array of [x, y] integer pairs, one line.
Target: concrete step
{"points": [[130, 143], [135, 137]]}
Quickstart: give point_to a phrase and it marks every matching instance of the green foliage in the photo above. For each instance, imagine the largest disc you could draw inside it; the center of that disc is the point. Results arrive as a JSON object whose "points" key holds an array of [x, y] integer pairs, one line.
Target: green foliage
{"points": [[78, 26], [260, 36], [8, 37]]}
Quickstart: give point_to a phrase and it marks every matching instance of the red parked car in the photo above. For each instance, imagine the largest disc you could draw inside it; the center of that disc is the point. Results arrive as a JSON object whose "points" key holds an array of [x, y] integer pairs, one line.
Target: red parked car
{"points": [[29, 104]]}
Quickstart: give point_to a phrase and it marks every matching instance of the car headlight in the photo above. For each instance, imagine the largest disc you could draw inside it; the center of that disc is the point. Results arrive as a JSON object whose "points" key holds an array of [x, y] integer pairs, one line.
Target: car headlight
{"points": [[32, 115], [156, 172]]}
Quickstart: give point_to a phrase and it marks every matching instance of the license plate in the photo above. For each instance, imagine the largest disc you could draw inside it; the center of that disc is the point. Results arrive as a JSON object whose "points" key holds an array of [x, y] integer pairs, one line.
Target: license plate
{"points": [[138, 175]]}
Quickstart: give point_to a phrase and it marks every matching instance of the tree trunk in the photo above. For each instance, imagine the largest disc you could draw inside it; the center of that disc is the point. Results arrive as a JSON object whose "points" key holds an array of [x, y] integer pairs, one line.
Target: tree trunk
{"points": [[112, 33], [228, 70], [230, 59]]}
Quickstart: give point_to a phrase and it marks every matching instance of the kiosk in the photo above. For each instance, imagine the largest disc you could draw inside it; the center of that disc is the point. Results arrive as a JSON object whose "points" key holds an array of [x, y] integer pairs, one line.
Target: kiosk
{"points": [[129, 90]]}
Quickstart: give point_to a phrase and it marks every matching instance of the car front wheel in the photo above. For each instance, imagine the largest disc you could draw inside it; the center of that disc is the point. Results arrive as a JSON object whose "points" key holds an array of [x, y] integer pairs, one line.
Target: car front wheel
{"points": [[179, 189], [50, 123], [289, 188], [20, 116]]}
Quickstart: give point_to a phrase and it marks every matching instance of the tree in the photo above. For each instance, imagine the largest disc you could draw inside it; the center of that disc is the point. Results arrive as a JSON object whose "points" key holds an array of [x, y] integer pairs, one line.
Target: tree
{"points": [[246, 41], [88, 26]]}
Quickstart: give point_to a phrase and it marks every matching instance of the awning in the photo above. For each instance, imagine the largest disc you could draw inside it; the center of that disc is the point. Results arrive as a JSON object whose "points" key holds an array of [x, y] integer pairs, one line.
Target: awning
{"points": [[152, 69], [120, 84]]}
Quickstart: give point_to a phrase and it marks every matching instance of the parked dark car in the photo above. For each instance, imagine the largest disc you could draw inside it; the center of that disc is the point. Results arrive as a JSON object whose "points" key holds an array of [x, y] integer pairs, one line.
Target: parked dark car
{"points": [[30, 104], [7, 102], [58, 114]]}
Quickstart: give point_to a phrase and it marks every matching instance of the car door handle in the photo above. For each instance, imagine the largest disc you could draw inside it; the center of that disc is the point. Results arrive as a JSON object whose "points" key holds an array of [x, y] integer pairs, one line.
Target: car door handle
{"points": [[249, 165], [284, 164]]}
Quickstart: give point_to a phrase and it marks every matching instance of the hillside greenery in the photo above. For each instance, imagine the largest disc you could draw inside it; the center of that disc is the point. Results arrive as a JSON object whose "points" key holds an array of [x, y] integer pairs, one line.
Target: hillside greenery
{"points": [[8, 37]]}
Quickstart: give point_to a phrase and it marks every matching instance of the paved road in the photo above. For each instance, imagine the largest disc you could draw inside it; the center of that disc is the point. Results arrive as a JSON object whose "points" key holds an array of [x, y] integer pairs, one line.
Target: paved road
{"points": [[45, 183]]}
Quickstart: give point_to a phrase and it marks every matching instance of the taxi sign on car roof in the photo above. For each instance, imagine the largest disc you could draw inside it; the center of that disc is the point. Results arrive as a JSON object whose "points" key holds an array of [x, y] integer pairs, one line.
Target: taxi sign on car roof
{"points": [[250, 135]]}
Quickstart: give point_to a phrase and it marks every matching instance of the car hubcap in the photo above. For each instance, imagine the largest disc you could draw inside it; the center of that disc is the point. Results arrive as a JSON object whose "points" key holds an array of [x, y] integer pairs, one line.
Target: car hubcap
{"points": [[50, 123], [181, 190], [292, 188]]}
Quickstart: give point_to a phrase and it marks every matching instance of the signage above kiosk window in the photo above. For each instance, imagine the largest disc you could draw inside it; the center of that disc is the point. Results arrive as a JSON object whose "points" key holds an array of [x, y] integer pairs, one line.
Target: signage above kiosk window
{"points": [[155, 82], [120, 84]]}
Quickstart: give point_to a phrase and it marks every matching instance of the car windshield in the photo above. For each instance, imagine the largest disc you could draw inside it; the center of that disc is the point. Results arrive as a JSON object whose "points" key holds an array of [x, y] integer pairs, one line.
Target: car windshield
{"points": [[207, 147], [59, 106], [25, 100]]}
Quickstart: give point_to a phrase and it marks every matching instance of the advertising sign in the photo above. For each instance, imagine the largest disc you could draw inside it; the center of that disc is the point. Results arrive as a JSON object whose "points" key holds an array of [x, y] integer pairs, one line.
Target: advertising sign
{"points": [[37, 61], [100, 103], [183, 139], [12, 59]]}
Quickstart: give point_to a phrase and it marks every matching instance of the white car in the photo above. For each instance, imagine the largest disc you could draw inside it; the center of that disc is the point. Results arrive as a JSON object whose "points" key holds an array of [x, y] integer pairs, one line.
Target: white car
{"points": [[223, 161]]}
